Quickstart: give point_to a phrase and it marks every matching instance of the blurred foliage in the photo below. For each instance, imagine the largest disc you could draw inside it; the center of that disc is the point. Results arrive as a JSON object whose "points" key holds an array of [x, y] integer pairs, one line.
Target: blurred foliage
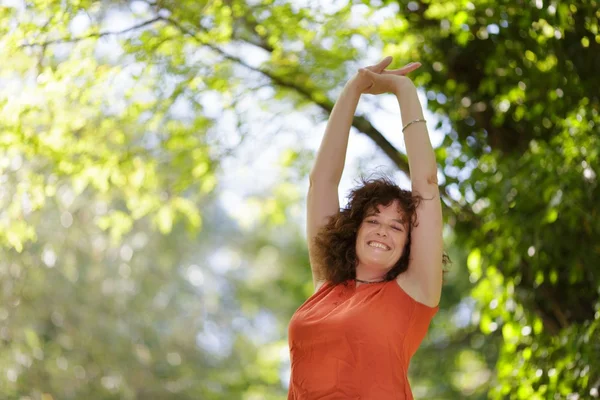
{"points": [[122, 276]]}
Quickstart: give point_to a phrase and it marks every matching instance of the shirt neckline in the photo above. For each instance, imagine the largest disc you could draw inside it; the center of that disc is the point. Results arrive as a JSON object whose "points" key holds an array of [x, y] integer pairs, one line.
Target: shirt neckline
{"points": [[355, 285]]}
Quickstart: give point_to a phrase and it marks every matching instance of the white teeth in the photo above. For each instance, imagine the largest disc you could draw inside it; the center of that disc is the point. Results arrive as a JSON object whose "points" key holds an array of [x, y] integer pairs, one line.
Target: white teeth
{"points": [[379, 245]]}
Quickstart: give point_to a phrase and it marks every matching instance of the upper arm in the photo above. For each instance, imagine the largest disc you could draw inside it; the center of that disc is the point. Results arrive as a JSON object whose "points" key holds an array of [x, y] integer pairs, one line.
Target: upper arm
{"points": [[322, 202], [426, 249]]}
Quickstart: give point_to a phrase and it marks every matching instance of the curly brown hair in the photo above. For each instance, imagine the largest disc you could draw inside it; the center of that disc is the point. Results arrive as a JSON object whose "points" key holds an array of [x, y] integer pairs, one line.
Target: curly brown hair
{"points": [[335, 243]]}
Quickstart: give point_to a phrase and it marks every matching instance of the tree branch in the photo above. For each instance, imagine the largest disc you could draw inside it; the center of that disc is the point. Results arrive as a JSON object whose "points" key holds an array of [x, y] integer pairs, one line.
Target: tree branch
{"points": [[360, 123], [91, 35]]}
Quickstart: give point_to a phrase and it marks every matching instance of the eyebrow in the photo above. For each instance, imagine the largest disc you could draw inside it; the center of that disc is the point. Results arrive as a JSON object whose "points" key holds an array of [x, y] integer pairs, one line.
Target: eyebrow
{"points": [[374, 214]]}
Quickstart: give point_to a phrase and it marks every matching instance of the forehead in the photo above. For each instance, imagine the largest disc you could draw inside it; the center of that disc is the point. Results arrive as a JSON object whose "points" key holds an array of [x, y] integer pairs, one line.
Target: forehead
{"points": [[393, 210]]}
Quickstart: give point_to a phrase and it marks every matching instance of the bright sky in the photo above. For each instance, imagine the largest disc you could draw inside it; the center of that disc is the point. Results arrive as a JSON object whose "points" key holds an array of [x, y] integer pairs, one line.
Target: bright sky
{"points": [[248, 174]]}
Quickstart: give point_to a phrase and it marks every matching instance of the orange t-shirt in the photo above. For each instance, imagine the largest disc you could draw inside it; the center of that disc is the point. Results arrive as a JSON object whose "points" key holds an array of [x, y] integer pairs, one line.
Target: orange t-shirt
{"points": [[349, 342]]}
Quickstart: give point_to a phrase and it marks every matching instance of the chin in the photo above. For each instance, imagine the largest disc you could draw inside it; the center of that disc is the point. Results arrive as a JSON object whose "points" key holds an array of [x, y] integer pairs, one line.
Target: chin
{"points": [[374, 264]]}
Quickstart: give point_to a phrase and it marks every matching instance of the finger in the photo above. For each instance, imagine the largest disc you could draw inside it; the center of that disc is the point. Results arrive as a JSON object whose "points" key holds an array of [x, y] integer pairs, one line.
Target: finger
{"points": [[383, 63], [411, 66], [404, 70], [367, 72]]}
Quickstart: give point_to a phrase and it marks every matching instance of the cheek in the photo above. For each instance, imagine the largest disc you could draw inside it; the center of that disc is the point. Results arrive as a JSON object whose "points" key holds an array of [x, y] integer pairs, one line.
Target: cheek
{"points": [[362, 232], [401, 241]]}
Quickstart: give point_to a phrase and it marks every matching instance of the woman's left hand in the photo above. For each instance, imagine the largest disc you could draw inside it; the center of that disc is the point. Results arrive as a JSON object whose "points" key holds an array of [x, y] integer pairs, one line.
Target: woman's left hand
{"points": [[388, 81]]}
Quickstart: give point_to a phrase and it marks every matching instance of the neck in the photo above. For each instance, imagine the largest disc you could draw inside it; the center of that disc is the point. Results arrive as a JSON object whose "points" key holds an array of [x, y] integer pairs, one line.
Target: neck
{"points": [[370, 274], [360, 281]]}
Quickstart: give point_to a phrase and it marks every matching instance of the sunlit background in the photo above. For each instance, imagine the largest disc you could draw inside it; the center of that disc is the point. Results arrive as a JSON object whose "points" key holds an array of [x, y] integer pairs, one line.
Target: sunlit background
{"points": [[154, 160]]}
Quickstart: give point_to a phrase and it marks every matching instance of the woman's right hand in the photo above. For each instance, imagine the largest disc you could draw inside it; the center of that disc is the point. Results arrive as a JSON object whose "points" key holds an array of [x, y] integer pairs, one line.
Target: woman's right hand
{"points": [[362, 82]]}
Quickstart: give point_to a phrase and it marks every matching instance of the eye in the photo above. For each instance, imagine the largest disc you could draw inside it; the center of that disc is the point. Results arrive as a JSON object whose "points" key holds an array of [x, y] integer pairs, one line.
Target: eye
{"points": [[372, 221], [398, 229]]}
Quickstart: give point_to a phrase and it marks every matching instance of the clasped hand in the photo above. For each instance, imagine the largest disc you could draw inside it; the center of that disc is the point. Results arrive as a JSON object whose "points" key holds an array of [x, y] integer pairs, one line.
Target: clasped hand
{"points": [[375, 79]]}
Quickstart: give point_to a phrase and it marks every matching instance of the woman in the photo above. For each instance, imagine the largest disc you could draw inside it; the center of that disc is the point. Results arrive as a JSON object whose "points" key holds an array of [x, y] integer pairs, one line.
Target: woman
{"points": [[376, 264]]}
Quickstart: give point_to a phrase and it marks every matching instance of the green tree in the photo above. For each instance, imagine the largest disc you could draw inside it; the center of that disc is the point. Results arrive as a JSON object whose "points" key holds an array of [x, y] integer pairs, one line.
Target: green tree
{"points": [[107, 101]]}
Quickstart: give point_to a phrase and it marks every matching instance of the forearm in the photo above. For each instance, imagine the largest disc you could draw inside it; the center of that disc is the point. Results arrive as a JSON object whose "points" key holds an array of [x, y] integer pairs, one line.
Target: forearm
{"points": [[331, 156], [421, 157]]}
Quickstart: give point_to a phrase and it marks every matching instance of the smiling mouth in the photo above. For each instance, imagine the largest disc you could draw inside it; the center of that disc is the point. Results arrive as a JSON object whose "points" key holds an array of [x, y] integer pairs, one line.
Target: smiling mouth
{"points": [[377, 245]]}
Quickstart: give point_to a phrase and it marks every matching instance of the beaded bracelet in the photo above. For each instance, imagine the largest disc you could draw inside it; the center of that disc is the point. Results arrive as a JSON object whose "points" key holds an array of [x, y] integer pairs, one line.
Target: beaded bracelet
{"points": [[412, 122]]}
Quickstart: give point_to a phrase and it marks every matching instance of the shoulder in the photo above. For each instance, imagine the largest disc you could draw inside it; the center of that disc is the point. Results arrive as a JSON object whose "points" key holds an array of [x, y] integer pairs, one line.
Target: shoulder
{"points": [[322, 285], [328, 286], [318, 285]]}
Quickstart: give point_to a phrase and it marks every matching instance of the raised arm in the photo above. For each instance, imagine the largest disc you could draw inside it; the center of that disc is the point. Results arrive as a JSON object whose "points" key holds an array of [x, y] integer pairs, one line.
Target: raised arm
{"points": [[425, 267], [329, 164], [322, 199]]}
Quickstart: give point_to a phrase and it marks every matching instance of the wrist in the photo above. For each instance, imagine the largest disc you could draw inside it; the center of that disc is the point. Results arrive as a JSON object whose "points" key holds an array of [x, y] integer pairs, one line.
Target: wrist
{"points": [[403, 87], [352, 87]]}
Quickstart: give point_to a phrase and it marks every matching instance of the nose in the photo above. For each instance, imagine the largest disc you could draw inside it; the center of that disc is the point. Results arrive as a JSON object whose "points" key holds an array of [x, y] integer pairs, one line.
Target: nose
{"points": [[381, 232]]}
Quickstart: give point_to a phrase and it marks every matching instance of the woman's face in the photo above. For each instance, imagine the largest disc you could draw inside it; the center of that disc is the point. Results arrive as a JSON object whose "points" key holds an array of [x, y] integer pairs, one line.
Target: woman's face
{"points": [[385, 228]]}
